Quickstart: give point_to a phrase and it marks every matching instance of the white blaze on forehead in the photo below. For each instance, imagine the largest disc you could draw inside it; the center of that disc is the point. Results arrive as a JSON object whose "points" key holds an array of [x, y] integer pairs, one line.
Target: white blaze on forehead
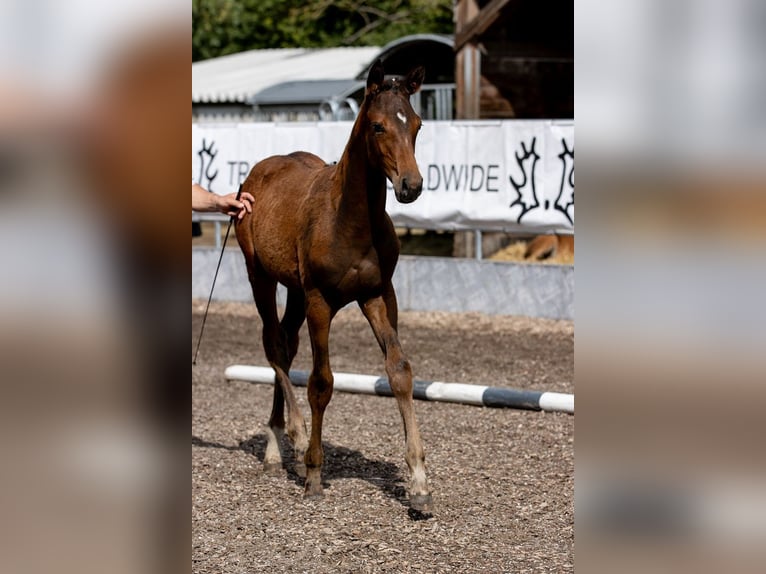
{"points": [[402, 117]]}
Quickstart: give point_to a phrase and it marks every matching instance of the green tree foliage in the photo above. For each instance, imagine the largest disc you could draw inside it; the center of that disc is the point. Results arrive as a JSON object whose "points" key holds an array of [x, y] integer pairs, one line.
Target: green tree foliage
{"points": [[221, 27]]}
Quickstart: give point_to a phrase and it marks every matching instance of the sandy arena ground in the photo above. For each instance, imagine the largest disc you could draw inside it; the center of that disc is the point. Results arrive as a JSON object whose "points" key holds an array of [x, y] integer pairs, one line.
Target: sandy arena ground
{"points": [[502, 479]]}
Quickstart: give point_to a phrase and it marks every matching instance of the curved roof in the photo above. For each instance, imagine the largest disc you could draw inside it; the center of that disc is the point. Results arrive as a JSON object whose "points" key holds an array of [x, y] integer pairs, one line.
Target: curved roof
{"points": [[433, 51]]}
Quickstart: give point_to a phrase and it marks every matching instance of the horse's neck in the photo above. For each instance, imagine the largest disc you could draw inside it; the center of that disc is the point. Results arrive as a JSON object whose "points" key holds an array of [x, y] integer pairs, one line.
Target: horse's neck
{"points": [[363, 187]]}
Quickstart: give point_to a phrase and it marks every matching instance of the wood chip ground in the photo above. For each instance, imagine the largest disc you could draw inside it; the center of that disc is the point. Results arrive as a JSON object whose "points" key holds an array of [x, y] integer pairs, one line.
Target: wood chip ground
{"points": [[503, 480]]}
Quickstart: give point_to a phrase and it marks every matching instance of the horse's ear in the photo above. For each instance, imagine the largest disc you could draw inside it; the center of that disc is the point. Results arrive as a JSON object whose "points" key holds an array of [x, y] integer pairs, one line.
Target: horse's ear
{"points": [[414, 79], [375, 77]]}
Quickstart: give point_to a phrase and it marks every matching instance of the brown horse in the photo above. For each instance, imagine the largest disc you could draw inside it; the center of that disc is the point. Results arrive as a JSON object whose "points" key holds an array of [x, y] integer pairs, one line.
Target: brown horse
{"points": [[323, 232]]}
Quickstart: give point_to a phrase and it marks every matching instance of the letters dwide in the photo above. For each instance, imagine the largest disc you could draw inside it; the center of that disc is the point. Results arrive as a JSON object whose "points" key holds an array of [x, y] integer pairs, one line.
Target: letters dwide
{"points": [[462, 177]]}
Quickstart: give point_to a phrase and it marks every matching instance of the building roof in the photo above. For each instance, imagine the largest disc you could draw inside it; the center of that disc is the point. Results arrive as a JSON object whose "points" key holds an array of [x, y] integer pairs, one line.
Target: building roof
{"points": [[305, 92], [238, 77], [402, 54]]}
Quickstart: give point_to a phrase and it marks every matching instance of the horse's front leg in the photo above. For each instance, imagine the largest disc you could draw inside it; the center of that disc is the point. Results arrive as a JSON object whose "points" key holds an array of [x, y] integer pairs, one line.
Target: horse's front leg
{"points": [[381, 312], [319, 315]]}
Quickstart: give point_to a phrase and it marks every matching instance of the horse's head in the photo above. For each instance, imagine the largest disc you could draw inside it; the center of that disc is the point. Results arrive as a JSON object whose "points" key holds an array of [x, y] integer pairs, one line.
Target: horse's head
{"points": [[392, 128]]}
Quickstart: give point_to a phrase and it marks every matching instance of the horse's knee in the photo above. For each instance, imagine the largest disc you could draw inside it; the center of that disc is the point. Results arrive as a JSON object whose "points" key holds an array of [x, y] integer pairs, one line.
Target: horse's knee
{"points": [[399, 373], [401, 366], [320, 388]]}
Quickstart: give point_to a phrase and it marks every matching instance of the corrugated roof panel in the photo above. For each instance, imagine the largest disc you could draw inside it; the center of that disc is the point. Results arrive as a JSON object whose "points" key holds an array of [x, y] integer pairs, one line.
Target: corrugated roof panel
{"points": [[238, 77], [305, 91]]}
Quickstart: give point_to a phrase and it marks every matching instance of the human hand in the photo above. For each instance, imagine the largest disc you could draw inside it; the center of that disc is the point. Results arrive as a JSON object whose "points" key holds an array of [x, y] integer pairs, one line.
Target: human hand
{"points": [[230, 205]]}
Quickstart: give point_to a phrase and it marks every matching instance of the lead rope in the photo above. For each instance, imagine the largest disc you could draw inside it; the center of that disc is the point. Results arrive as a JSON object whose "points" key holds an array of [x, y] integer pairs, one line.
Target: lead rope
{"points": [[220, 258]]}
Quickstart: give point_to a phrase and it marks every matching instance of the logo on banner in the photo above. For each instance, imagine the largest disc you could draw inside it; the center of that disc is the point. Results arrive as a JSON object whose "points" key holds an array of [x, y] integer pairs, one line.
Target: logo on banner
{"points": [[525, 189], [565, 200], [206, 156], [525, 185]]}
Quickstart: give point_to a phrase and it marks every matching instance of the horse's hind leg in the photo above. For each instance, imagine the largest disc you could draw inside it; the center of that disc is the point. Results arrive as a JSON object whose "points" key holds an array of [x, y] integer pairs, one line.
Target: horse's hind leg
{"points": [[280, 342], [293, 318]]}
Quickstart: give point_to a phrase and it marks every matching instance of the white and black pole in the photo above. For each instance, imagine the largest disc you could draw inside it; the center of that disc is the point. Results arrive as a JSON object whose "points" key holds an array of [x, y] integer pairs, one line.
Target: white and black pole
{"points": [[479, 395]]}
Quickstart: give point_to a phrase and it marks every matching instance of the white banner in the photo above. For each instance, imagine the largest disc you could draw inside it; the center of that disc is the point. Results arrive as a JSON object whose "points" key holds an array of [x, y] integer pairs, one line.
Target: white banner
{"points": [[515, 175]]}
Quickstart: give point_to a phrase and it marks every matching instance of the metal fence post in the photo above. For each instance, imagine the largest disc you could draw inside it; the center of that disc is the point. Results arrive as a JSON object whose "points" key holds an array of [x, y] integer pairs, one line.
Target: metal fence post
{"points": [[477, 235]]}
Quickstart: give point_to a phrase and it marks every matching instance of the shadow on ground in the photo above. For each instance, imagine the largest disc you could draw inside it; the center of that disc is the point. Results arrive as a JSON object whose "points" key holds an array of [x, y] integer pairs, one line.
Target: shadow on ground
{"points": [[339, 462]]}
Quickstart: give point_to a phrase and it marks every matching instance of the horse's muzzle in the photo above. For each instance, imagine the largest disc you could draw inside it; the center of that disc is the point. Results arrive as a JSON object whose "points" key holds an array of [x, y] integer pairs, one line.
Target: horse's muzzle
{"points": [[409, 189]]}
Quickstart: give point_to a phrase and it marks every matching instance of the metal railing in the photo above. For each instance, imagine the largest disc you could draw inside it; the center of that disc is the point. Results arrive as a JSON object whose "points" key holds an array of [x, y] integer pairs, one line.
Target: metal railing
{"points": [[435, 102], [217, 219]]}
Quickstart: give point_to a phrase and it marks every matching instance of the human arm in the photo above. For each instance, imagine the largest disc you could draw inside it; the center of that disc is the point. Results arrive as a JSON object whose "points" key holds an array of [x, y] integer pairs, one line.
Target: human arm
{"points": [[203, 200]]}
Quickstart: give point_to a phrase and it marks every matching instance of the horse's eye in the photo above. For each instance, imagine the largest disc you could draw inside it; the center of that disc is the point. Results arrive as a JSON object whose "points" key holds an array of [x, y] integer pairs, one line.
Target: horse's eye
{"points": [[378, 128]]}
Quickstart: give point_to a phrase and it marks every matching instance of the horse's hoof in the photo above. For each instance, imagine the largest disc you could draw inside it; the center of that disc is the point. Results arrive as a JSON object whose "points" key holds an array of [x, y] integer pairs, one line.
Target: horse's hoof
{"points": [[421, 502], [313, 495], [272, 468], [300, 469]]}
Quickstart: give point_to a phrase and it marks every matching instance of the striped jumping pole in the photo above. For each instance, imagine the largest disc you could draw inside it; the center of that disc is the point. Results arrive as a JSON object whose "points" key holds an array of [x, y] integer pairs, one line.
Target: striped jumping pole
{"points": [[479, 395]]}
